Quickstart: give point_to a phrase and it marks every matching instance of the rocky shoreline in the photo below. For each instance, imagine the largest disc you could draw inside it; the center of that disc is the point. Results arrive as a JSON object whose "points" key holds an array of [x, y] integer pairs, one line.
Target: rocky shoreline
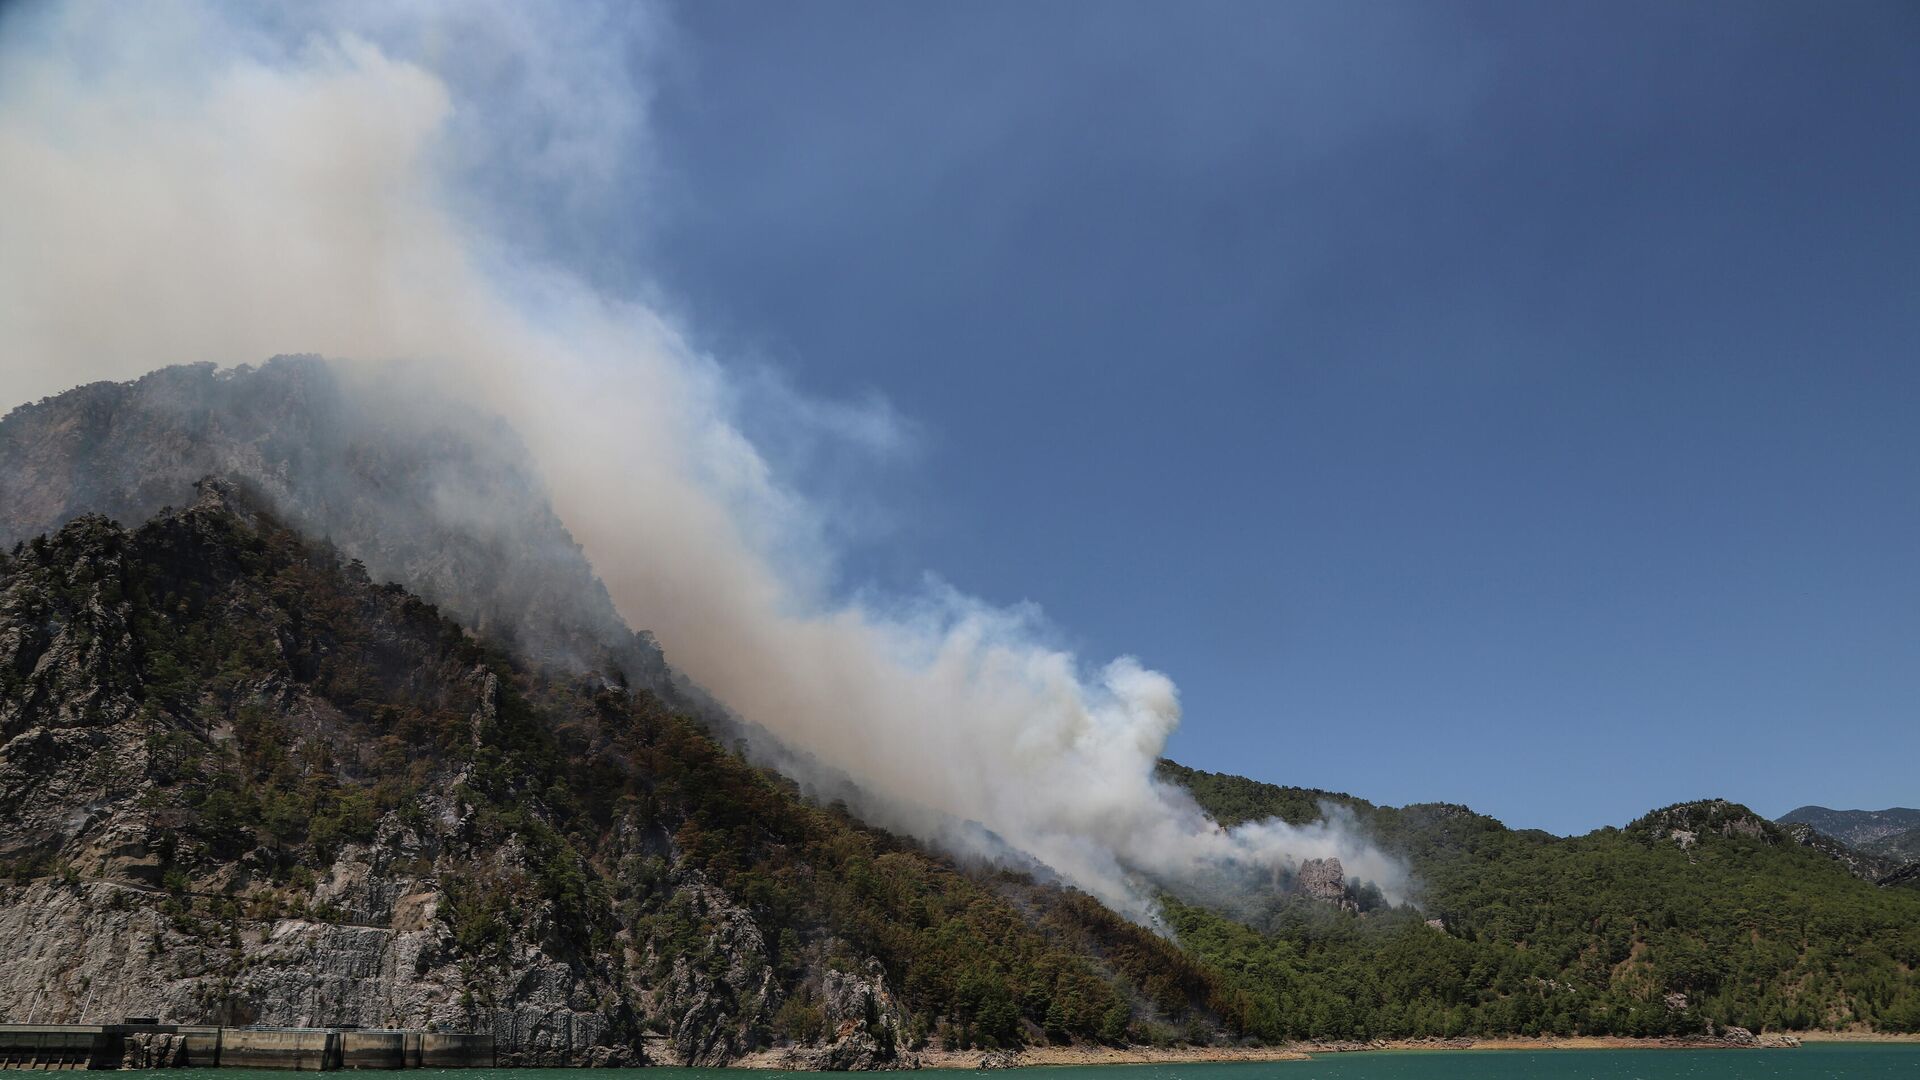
{"points": [[1728, 1039], [991, 1060]]}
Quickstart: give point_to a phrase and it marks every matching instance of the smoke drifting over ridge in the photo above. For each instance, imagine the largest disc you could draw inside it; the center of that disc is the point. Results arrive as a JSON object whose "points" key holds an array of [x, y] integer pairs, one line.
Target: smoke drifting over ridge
{"points": [[188, 185]]}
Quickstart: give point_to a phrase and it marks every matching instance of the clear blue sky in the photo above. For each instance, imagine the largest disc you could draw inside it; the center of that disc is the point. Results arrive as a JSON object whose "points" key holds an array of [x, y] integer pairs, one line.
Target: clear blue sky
{"points": [[1512, 404]]}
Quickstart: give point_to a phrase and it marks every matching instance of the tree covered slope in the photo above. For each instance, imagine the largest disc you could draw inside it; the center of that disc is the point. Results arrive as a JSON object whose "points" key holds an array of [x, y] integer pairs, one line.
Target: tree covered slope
{"points": [[242, 782], [1697, 914]]}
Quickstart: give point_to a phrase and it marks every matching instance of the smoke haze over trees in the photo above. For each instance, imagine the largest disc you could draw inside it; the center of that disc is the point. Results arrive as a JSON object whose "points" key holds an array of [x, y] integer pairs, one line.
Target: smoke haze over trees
{"points": [[211, 187]]}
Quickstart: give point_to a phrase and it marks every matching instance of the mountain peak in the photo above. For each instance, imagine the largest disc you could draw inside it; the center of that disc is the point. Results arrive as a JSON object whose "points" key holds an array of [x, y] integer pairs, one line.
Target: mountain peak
{"points": [[420, 489], [1688, 823]]}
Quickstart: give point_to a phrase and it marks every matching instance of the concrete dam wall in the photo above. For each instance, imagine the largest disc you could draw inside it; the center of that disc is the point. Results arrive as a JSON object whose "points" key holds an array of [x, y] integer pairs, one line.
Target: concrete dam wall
{"points": [[147, 1046]]}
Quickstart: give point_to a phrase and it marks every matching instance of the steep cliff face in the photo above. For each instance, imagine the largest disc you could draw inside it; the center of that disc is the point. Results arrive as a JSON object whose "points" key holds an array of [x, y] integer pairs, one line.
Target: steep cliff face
{"points": [[211, 809], [1325, 880], [242, 783]]}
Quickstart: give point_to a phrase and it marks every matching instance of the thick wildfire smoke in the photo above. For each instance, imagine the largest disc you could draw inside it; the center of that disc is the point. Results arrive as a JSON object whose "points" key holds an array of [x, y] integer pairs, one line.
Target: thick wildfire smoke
{"points": [[183, 184]]}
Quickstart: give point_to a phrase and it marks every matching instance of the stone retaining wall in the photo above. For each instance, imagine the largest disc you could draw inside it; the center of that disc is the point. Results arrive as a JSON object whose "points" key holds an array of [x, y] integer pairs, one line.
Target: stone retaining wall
{"points": [[150, 1046]]}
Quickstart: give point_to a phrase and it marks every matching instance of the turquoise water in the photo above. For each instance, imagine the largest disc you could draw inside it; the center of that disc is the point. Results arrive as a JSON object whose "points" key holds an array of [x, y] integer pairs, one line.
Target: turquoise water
{"points": [[1829, 1062], [1806, 1063]]}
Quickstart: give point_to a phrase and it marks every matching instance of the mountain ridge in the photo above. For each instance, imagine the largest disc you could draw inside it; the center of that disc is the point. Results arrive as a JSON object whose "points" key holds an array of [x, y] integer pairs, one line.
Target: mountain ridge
{"points": [[1893, 833], [412, 828], [1691, 917], [394, 475], [209, 734]]}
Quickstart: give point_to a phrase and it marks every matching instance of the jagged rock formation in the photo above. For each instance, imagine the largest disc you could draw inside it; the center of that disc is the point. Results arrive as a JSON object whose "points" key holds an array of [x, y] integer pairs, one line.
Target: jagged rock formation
{"points": [[242, 783], [416, 486], [153, 1050], [866, 1028], [704, 1002], [1325, 880], [162, 900], [1683, 824]]}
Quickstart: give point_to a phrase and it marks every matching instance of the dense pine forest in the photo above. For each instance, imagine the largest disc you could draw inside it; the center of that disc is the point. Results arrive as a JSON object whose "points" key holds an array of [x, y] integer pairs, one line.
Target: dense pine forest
{"points": [[1697, 915], [290, 717], [263, 787], [209, 623]]}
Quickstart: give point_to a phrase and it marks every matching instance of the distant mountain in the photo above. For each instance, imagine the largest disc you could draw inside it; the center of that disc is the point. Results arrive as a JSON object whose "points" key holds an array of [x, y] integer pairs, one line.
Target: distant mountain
{"points": [[1904, 846], [1861, 864], [1893, 832]]}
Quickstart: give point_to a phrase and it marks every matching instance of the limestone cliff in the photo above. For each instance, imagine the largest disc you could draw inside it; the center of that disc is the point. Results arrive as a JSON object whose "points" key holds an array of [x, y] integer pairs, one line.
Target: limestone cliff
{"points": [[242, 783], [141, 884]]}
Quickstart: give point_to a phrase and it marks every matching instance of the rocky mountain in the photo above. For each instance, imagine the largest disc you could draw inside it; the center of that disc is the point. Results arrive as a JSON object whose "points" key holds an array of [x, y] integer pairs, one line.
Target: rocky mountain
{"points": [[394, 473], [1893, 832], [417, 487], [1860, 864], [1878, 845], [1904, 846], [242, 782], [291, 733]]}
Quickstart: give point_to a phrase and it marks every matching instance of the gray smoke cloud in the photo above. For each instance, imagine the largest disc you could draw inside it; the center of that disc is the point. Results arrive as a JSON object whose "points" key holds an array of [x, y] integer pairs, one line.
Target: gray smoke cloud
{"points": [[188, 182]]}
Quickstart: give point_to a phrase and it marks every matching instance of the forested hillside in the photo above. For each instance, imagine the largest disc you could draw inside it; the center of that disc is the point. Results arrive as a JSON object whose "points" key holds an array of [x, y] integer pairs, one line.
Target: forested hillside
{"points": [[240, 781], [281, 787], [1695, 915]]}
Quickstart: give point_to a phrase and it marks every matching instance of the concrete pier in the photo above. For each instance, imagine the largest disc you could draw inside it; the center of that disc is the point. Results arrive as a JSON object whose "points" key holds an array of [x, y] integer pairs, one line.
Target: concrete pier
{"points": [[455, 1050], [303, 1049], [47, 1047], [373, 1049], [202, 1044], [57, 1047]]}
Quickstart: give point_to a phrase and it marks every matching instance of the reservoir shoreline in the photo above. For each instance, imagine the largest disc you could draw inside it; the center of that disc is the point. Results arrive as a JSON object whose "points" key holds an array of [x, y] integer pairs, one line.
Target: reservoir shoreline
{"points": [[148, 1045], [1058, 1056]]}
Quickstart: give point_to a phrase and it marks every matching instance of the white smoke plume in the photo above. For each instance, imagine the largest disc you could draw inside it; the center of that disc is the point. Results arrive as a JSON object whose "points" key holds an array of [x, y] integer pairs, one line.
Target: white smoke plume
{"points": [[185, 182]]}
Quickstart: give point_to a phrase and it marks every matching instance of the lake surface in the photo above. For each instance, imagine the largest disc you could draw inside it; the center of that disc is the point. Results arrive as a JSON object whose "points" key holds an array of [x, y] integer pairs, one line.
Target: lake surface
{"points": [[1816, 1062], [1827, 1062]]}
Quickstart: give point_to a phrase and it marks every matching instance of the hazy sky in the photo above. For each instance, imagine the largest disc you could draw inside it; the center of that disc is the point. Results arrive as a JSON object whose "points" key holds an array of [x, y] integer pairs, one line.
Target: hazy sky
{"points": [[1509, 404]]}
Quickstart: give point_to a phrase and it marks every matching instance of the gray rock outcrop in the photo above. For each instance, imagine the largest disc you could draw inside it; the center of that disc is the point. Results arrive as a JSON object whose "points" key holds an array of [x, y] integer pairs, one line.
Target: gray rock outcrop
{"points": [[866, 1027], [1325, 880]]}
